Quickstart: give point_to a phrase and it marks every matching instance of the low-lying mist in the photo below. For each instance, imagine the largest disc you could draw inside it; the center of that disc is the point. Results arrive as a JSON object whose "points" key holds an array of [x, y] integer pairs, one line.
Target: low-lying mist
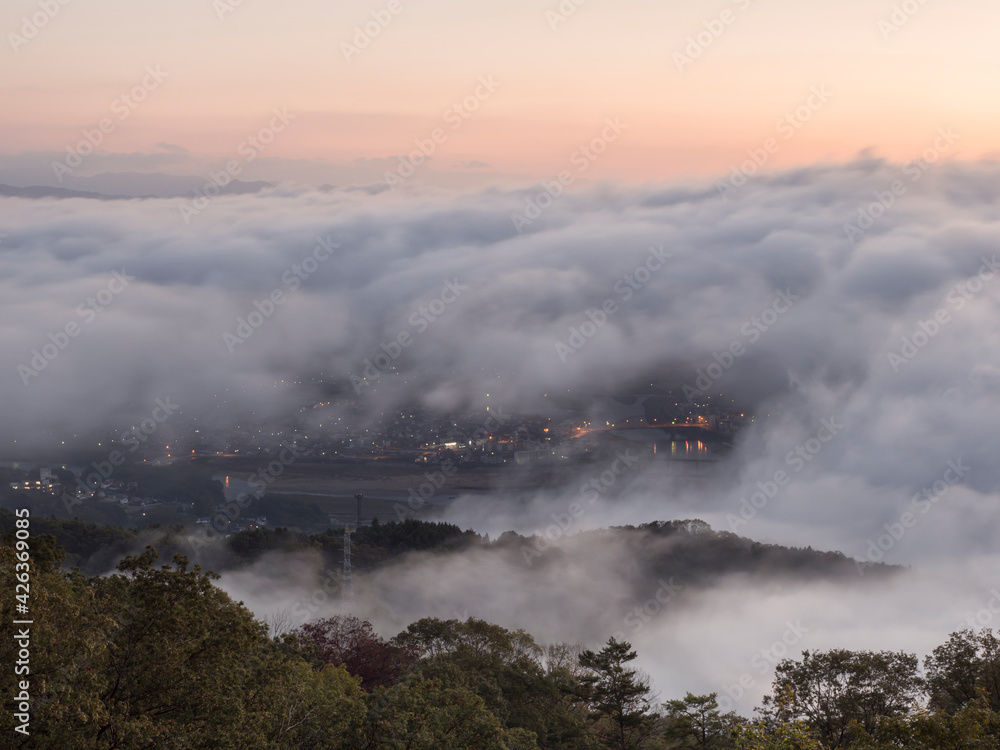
{"points": [[723, 634]]}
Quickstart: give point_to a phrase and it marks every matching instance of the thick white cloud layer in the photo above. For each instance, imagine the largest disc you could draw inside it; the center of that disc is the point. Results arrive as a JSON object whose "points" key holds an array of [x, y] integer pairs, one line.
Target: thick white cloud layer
{"points": [[502, 300], [907, 417]]}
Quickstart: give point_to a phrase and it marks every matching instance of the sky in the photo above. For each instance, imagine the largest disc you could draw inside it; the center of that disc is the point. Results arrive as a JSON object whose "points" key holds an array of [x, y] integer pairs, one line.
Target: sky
{"points": [[697, 85]]}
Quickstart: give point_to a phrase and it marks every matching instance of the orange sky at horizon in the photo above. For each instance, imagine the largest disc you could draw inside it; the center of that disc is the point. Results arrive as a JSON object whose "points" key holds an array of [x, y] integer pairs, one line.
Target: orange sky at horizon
{"points": [[888, 88]]}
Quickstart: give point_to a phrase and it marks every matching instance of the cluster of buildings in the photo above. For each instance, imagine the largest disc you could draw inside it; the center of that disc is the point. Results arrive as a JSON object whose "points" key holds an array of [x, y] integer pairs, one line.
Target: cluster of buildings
{"points": [[324, 433], [110, 490], [331, 431], [47, 483]]}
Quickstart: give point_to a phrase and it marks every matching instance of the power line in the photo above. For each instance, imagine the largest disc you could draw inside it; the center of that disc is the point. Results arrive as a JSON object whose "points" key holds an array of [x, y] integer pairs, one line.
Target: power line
{"points": [[347, 582]]}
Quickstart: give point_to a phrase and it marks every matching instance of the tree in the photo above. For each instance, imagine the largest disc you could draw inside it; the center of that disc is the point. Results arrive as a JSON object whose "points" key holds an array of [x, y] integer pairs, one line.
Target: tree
{"points": [[563, 658], [696, 722], [147, 658], [619, 698], [183, 664], [973, 727], [312, 709], [959, 670], [431, 636], [66, 645], [352, 642], [831, 690], [777, 729], [423, 714], [502, 667], [782, 736]]}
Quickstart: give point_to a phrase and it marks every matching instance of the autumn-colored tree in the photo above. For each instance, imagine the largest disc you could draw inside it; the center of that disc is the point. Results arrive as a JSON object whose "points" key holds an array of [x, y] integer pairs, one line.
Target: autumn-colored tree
{"points": [[352, 642]]}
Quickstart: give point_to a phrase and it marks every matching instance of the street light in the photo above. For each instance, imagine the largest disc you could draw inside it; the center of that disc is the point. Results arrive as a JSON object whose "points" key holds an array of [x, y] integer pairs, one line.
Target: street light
{"points": [[359, 496]]}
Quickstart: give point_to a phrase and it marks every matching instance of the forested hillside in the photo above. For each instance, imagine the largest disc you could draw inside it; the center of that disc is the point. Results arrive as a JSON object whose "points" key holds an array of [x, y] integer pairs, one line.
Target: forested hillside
{"points": [[688, 549]]}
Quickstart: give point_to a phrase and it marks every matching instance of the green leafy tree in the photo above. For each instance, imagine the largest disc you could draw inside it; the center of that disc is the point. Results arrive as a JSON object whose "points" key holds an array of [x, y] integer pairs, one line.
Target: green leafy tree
{"points": [[794, 735], [777, 729], [502, 667], [975, 726], [963, 668], [161, 658], [67, 647], [424, 714], [832, 690], [183, 663], [312, 709]]}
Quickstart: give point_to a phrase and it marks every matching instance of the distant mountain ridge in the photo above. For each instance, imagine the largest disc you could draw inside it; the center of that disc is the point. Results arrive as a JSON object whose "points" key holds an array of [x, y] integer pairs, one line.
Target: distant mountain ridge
{"points": [[35, 192], [129, 185], [688, 549]]}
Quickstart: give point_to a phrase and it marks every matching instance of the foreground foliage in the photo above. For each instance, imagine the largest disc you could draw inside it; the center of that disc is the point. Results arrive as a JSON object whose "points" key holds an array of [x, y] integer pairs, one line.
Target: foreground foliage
{"points": [[157, 656]]}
